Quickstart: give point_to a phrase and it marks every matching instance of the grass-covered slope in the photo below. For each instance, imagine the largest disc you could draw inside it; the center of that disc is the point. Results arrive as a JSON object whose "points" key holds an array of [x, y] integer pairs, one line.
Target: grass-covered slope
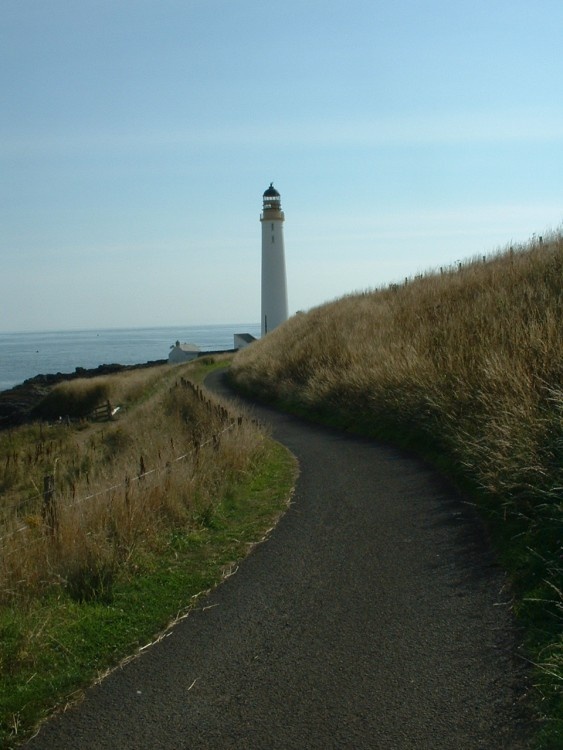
{"points": [[468, 366], [145, 512]]}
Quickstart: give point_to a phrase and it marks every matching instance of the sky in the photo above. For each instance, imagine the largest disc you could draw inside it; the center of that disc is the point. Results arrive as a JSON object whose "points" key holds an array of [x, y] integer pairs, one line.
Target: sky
{"points": [[138, 136]]}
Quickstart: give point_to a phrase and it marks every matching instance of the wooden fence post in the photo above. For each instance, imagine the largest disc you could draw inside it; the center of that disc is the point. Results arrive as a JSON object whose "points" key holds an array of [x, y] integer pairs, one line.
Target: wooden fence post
{"points": [[127, 489], [49, 503]]}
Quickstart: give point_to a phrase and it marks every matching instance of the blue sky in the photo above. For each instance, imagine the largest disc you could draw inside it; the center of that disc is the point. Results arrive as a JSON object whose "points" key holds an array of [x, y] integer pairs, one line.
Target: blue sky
{"points": [[137, 138]]}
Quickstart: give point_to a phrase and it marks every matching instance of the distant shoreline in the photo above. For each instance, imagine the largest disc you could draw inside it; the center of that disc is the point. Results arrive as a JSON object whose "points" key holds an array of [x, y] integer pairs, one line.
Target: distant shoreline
{"points": [[16, 402], [23, 357]]}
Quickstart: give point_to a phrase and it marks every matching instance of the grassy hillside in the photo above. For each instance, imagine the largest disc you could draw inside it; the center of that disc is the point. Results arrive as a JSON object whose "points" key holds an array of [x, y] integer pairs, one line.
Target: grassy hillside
{"points": [[467, 366], [141, 514]]}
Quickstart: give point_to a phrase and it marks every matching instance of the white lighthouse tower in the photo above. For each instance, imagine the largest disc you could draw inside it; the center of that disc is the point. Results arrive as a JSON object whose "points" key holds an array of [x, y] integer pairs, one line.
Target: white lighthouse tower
{"points": [[274, 287]]}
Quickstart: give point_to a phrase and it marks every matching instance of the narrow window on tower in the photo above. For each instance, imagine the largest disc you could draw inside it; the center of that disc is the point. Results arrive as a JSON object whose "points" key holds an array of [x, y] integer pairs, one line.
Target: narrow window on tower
{"points": [[272, 238], [272, 226]]}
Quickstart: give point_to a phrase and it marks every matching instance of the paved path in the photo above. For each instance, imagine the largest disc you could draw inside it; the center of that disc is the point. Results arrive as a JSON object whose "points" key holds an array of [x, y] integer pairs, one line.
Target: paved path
{"points": [[373, 617]]}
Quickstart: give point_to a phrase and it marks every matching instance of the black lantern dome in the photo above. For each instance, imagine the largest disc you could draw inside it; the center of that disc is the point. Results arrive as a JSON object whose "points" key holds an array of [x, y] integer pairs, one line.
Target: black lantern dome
{"points": [[271, 192], [272, 200]]}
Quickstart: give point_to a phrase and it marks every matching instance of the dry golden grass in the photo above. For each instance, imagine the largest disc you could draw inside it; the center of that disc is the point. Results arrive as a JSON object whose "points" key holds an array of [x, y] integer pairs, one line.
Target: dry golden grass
{"points": [[164, 463], [468, 366], [471, 358]]}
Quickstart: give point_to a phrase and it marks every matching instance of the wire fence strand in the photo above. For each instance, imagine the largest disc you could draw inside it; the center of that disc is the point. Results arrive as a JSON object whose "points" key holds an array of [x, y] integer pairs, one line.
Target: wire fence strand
{"points": [[121, 485]]}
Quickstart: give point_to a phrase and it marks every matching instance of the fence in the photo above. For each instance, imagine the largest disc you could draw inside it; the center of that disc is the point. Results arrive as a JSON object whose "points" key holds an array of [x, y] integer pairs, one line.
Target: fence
{"points": [[45, 505], [49, 510], [102, 413]]}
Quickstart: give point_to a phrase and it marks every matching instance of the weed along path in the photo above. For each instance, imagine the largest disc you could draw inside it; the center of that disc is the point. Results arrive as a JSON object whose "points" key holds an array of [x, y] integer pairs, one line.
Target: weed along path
{"points": [[373, 617]]}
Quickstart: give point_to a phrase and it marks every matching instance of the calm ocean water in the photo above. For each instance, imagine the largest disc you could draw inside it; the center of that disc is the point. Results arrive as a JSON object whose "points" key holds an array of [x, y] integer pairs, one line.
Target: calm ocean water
{"points": [[23, 355]]}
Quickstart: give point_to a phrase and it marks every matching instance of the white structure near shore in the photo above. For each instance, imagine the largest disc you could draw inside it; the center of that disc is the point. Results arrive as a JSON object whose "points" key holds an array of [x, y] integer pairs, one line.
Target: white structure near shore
{"points": [[274, 285], [242, 340], [183, 353]]}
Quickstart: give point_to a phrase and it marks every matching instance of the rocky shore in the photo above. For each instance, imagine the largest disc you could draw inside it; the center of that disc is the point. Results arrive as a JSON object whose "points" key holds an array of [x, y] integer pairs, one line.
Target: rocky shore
{"points": [[17, 403]]}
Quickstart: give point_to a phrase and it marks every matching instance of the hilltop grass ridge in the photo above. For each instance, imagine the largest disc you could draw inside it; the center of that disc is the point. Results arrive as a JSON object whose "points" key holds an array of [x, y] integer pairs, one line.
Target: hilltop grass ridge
{"points": [[466, 366]]}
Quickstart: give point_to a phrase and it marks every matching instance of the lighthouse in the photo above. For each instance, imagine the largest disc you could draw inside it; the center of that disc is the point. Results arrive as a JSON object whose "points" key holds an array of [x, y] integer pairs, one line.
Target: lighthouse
{"points": [[274, 287]]}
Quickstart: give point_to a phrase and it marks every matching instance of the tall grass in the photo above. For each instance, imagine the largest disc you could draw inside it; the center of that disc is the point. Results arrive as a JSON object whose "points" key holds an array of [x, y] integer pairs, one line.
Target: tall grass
{"points": [[469, 362], [165, 463], [149, 510]]}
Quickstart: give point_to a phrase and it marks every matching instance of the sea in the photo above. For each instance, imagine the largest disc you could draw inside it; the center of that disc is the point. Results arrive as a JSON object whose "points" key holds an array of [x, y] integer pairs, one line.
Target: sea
{"points": [[24, 355]]}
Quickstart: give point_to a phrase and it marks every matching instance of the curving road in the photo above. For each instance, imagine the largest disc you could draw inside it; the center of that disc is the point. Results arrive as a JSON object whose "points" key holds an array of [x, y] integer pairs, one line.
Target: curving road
{"points": [[373, 617]]}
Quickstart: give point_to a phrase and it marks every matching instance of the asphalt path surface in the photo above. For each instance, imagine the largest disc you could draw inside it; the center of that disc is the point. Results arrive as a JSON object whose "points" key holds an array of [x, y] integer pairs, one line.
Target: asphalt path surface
{"points": [[374, 617]]}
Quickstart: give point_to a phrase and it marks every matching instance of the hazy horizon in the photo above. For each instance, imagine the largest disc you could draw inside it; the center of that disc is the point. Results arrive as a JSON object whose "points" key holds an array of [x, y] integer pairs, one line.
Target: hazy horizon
{"points": [[128, 328]]}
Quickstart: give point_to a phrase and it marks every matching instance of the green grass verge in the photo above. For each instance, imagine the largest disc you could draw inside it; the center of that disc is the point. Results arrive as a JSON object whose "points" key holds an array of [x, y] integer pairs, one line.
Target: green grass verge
{"points": [[55, 647]]}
